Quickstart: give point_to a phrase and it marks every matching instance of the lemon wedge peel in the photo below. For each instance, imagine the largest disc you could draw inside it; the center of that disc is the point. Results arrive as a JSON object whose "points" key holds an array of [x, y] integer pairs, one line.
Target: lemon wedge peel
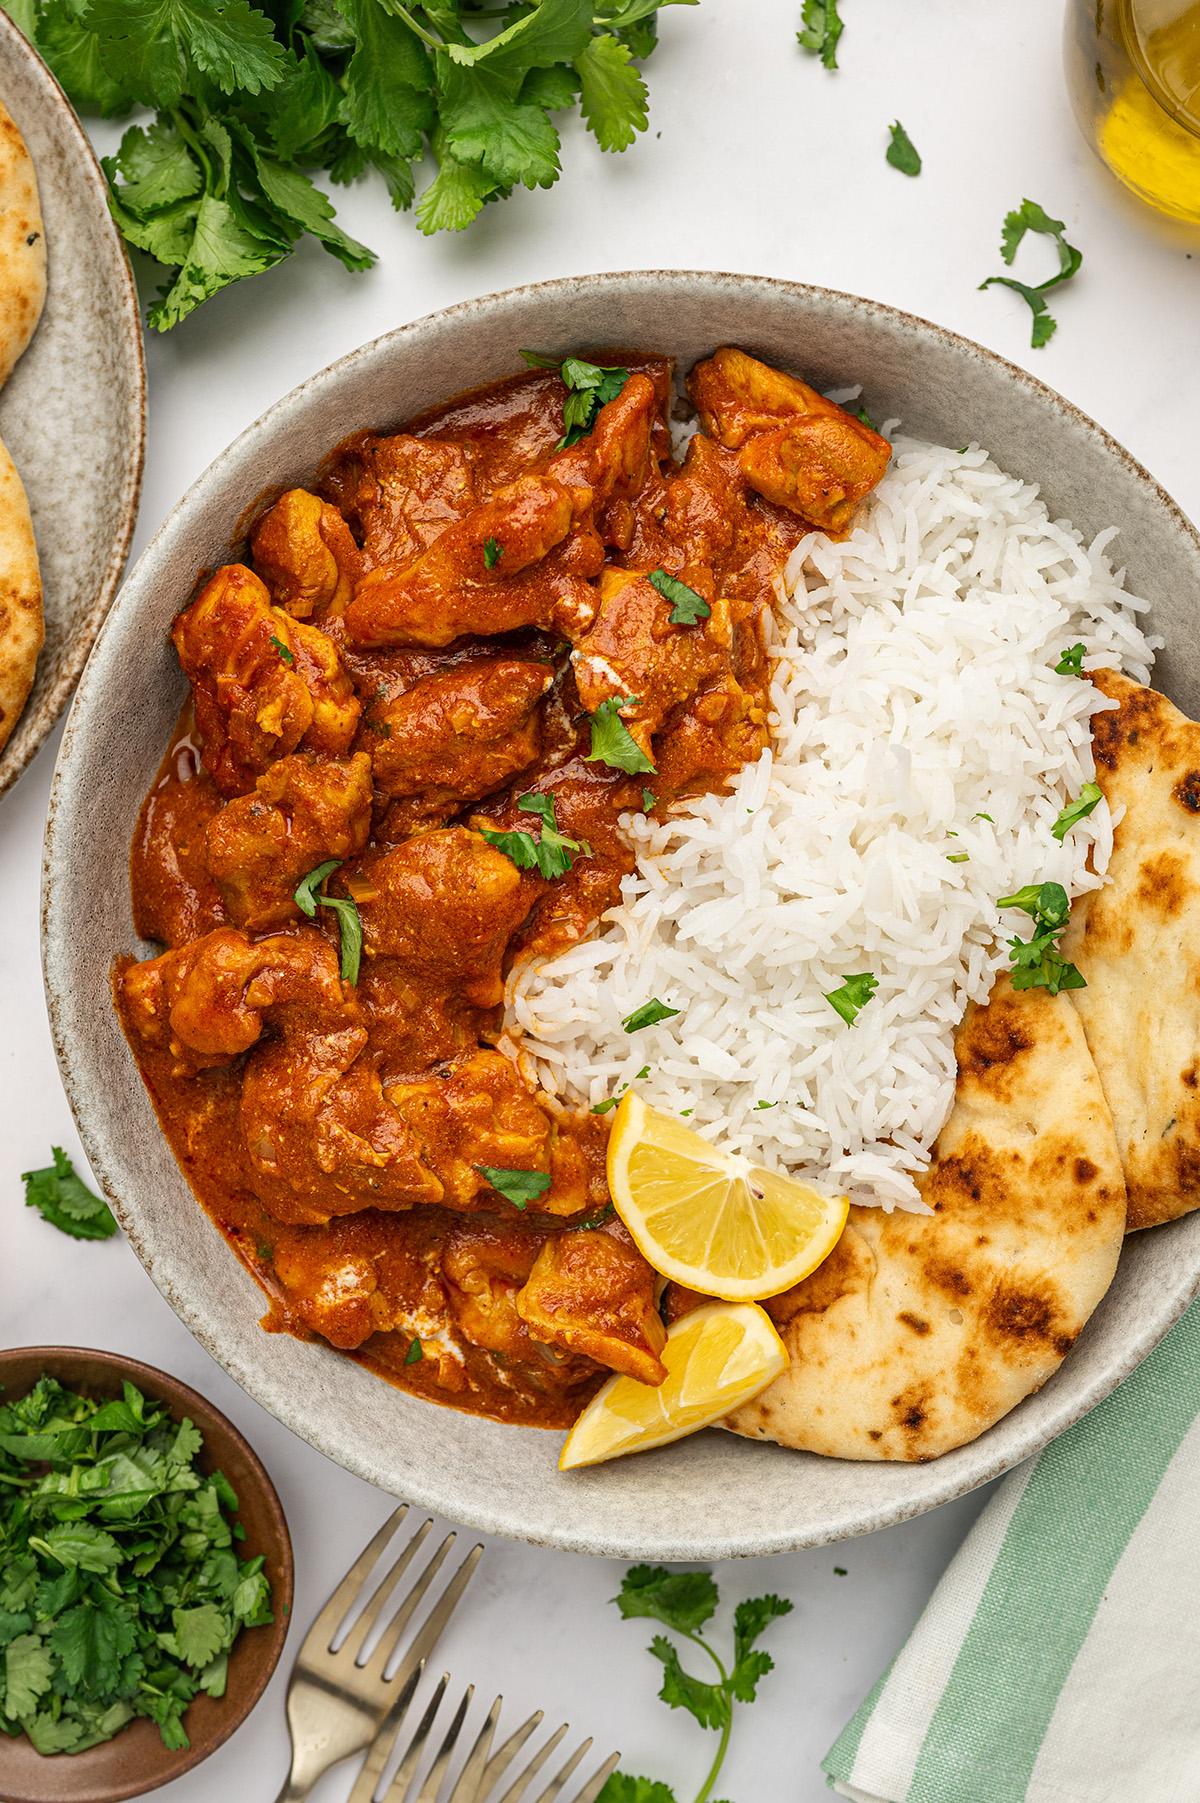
{"points": [[717, 1357], [712, 1220]]}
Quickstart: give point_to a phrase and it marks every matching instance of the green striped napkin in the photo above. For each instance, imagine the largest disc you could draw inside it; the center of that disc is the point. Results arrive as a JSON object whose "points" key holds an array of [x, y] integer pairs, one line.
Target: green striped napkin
{"points": [[1058, 1660]]}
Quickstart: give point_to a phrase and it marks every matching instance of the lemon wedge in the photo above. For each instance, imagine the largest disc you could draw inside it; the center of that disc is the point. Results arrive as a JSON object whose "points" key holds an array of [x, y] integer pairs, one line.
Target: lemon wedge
{"points": [[720, 1355], [711, 1219]]}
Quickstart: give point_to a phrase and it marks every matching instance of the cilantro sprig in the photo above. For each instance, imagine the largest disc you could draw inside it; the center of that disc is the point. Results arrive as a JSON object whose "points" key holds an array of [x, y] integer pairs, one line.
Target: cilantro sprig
{"points": [[1037, 962], [550, 852], [1089, 797], [613, 743], [590, 386], [687, 606], [684, 1601], [853, 995], [348, 918], [902, 153], [518, 1187], [120, 1590], [66, 1202], [821, 28], [249, 101], [1071, 661], [1030, 217]]}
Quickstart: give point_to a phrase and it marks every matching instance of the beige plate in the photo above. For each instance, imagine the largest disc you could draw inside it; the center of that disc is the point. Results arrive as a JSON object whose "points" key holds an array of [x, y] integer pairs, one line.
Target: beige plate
{"points": [[73, 413], [709, 1496]]}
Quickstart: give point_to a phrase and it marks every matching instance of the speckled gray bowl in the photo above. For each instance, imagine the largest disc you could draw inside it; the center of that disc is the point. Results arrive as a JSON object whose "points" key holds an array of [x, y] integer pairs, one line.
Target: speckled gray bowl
{"points": [[713, 1495], [73, 412]]}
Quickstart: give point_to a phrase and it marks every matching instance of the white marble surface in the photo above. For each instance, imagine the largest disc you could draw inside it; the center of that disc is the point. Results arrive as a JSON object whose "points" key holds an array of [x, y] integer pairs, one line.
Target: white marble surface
{"points": [[756, 160]]}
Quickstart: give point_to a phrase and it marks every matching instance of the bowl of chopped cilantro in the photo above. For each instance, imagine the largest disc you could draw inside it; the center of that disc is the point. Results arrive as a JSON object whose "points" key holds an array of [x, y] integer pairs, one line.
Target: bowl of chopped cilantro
{"points": [[145, 1577]]}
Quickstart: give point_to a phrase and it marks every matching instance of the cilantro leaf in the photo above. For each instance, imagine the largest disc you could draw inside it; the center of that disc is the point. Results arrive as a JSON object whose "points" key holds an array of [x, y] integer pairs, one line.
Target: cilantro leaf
{"points": [[387, 82], [199, 1633], [752, 1616], [512, 142], [591, 385], [91, 1640], [550, 853], [492, 553], [622, 1787], [28, 1673], [221, 251], [613, 96], [455, 195], [50, 1736], [821, 30], [348, 918], [518, 1187], [157, 167], [902, 153], [79, 1544], [1037, 962], [1030, 217], [747, 1674], [688, 605], [709, 1703], [853, 996], [613, 743], [415, 1353], [681, 1600], [1071, 661], [648, 1015], [1090, 796], [1044, 323], [66, 1202]]}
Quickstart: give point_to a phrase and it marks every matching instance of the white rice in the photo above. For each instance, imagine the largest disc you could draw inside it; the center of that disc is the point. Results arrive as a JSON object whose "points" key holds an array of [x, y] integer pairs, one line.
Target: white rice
{"points": [[913, 692]]}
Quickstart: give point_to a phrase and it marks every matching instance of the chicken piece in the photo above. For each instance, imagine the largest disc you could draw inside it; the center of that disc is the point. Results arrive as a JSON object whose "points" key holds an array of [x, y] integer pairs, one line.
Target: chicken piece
{"points": [[633, 650], [593, 1292], [450, 590], [617, 455], [479, 1112], [364, 1274], [409, 491], [208, 1001], [794, 447], [263, 683], [447, 905], [463, 733], [303, 811], [721, 730], [304, 553], [484, 1266]]}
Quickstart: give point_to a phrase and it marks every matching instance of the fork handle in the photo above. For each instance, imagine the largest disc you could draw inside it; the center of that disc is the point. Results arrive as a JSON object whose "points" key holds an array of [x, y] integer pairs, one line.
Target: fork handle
{"points": [[293, 1792]]}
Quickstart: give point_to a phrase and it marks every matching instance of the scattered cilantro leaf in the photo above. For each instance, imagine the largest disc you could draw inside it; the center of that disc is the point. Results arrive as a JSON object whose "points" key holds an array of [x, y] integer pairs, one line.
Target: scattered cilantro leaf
{"points": [[285, 656], [415, 1353], [613, 743], [518, 1187], [648, 1015], [1030, 217], [958, 857], [492, 553], [1090, 796], [604, 1107], [853, 996], [821, 29], [551, 852], [902, 153], [1071, 661], [349, 919], [649, 800], [65, 1201], [590, 386], [986, 817], [1037, 962], [865, 419], [688, 605]]}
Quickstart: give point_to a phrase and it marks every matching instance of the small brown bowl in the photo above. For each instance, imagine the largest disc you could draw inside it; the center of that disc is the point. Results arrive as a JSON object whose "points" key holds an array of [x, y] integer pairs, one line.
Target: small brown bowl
{"points": [[136, 1760]]}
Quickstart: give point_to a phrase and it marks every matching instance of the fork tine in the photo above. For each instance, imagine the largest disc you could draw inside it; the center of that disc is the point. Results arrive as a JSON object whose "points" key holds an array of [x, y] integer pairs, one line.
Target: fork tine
{"points": [[353, 1644], [431, 1629], [500, 1761], [437, 1771], [564, 1772], [327, 1622], [385, 1739], [467, 1788], [390, 1638], [397, 1790], [595, 1785], [521, 1783]]}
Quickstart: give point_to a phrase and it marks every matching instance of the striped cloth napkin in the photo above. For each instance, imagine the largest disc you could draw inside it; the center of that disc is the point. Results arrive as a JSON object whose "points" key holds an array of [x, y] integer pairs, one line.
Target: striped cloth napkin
{"points": [[1058, 1660]]}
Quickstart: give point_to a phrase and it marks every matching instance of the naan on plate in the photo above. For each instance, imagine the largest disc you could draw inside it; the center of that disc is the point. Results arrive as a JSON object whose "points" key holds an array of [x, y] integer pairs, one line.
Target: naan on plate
{"points": [[22, 294], [1137, 943], [918, 1332], [21, 627]]}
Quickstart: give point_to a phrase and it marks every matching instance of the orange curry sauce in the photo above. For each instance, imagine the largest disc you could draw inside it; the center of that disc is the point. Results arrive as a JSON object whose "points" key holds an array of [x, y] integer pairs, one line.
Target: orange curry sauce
{"points": [[409, 650]]}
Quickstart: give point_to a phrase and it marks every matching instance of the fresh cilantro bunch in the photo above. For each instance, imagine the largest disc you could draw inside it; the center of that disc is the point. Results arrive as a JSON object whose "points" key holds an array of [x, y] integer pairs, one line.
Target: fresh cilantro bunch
{"points": [[248, 99], [63, 1199], [1037, 963], [120, 1592], [683, 1601]]}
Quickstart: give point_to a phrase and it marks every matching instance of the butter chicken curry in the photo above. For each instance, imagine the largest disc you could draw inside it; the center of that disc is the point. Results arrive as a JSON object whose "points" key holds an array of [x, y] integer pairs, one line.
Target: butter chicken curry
{"points": [[418, 713]]}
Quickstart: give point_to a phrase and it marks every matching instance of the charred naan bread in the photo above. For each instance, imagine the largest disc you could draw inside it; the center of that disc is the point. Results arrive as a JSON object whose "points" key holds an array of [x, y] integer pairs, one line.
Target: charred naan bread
{"points": [[21, 628], [919, 1332], [22, 247], [1137, 943]]}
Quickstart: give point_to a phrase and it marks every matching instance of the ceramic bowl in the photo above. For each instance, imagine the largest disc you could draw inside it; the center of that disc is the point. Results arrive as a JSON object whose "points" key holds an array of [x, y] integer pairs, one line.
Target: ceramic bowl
{"points": [[135, 1760], [712, 1495], [73, 412]]}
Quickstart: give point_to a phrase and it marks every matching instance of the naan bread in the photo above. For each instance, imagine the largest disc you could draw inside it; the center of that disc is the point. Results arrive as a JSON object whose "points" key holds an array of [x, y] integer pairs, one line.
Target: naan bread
{"points": [[22, 247], [21, 629], [917, 1333], [1137, 944]]}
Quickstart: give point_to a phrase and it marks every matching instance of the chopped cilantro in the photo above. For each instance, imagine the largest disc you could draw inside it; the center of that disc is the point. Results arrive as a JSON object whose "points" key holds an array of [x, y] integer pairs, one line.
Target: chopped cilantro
{"points": [[839, 1571], [649, 799], [821, 29], [864, 417], [285, 656], [1037, 963], [1071, 661], [349, 920], [518, 1187], [415, 1353], [604, 1107], [986, 817], [958, 857], [550, 853], [1030, 217], [65, 1201], [853, 996], [1090, 796], [688, 605], [613, 743], [492, 553], [902, 153], [648, 1015], [644, 1072]]}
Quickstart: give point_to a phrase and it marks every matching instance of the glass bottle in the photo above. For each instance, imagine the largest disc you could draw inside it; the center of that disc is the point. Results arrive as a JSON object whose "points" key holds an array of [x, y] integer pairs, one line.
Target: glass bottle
{"points": [[1133, 73]]}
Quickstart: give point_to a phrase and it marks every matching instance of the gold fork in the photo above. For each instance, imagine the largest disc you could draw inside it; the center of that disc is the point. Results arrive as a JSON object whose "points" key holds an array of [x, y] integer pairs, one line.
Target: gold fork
{"points": [[479, 1775], [337, 1700]]}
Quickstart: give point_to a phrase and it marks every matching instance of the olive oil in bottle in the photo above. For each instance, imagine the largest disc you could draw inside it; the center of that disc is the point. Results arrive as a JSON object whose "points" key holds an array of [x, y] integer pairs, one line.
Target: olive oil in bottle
{"points": [[1133, 72]]}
